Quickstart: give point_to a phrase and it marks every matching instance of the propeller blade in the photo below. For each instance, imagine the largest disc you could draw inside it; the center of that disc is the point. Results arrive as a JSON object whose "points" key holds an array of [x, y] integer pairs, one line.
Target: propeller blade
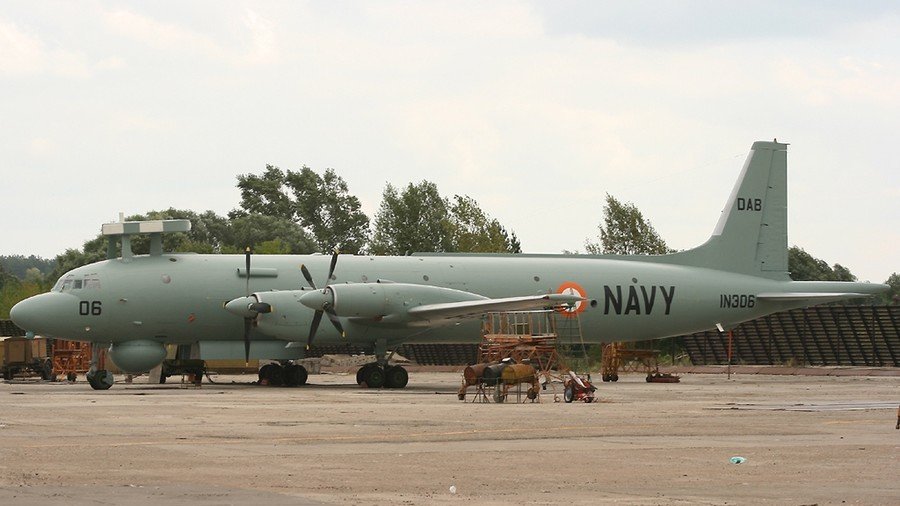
{"points": [[337, 323], [334, 258], [313, 328], [306, 275], [247, 323], [248, 270]]}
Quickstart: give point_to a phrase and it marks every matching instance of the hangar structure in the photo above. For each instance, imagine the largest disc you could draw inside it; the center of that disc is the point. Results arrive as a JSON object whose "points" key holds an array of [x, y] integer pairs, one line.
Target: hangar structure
{"points": [[848, 335]]}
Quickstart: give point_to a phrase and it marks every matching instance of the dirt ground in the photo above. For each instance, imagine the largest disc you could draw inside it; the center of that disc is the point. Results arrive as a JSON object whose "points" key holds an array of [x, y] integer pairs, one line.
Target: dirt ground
{"points": [[806, 440]]}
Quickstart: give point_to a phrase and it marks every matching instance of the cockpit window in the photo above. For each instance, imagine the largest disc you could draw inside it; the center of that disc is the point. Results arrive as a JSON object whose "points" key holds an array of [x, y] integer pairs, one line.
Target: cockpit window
{"points": [[77, 284], [67, 284], [92, 283], [58, 286]]}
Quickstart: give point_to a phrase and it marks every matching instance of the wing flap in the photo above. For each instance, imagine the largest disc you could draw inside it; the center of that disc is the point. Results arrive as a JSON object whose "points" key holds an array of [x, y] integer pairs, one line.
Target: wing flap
{"points": [[473, 308]]}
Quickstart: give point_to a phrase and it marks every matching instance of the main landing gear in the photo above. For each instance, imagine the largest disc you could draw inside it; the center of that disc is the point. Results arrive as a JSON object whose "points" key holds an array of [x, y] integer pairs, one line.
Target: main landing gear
{"points": [[380, 374], [99, 379], [285, 374]]}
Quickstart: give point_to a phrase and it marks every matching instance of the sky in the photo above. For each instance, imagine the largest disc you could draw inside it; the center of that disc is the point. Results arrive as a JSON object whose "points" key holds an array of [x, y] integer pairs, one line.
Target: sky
{"points": [[535, 109]]}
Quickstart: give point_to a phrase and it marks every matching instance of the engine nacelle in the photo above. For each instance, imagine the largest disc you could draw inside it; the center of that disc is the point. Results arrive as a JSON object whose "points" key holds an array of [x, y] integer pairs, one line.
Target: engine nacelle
{"points": [[137, 356], [376, 300]]}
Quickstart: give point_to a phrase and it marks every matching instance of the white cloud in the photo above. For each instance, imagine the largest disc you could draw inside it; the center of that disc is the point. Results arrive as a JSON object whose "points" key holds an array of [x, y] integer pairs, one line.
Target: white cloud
{"points": [[255, 42], [23, 53]]}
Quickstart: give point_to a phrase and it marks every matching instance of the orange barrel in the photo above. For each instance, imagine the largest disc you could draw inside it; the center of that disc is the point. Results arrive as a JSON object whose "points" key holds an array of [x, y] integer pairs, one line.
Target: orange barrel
{"points": [[518, 373], [474, 373], [492, 373]]}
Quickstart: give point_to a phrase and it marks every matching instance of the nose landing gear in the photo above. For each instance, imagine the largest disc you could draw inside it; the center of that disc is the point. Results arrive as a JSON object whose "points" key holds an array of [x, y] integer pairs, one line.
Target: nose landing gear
{"points": [[99, 379]]}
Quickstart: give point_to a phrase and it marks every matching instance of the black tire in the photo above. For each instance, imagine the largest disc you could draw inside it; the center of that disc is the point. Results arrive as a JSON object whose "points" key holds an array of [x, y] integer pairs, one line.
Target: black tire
{"points": [[396, 377], [264, 372], [569, 394], [71, 377], [276, 375], [614, 378], [374, 376], [7, 374], [162, 379], [295, 375], [360, 375], [101, 380]]}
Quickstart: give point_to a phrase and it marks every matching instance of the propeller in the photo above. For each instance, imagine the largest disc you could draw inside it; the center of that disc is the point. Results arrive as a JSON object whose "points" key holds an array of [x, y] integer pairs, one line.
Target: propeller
{"points": [[248, 321], [327, 307], [248, 307]]}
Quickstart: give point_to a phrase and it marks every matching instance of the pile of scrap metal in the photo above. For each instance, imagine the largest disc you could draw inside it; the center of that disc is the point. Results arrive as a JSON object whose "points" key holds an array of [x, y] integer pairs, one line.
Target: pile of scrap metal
{"points": [[498, 377]]}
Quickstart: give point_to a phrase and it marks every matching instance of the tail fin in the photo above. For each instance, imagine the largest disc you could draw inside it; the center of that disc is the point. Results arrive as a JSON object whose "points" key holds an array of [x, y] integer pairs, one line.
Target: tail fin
{"points": [[751, 235]]}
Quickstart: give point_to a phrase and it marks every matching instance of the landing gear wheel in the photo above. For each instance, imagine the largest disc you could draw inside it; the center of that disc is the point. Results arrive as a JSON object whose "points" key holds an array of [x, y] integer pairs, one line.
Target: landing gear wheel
{"points": [[295, 375], [361, 373], [374, 376], [569, 394], [101, 380], [395, 377]]}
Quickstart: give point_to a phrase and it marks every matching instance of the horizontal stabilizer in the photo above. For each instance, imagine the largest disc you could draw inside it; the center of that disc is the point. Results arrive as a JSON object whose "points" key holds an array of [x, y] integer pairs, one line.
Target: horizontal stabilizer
{"points": [[473, 308]]}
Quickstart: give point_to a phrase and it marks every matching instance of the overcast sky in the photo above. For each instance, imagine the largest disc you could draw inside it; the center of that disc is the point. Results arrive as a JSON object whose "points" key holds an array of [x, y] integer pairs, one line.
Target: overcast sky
{"points": [[535, 109]]}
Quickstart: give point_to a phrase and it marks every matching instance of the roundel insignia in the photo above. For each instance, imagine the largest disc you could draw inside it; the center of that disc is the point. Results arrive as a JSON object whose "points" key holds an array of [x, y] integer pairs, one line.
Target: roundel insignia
{"points": [[573, 288]]}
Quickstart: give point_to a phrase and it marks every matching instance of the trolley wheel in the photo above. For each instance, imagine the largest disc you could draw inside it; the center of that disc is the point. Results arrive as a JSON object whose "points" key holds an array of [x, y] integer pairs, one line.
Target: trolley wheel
{"points": [[569, 394], [71, 377]]}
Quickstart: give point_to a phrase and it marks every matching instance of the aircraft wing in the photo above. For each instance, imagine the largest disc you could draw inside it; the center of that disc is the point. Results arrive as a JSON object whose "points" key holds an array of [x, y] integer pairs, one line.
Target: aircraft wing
{"points": [[817, 297], [473, 308]]}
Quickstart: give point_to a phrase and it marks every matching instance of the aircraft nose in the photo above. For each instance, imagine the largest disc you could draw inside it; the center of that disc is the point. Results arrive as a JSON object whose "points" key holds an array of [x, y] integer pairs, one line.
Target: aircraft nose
{"points": [[317, 299], [31, 313]]}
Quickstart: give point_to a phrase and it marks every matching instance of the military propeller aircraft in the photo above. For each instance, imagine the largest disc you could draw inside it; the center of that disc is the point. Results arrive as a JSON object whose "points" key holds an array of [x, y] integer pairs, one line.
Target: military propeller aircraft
{"points": [[274, 304]]}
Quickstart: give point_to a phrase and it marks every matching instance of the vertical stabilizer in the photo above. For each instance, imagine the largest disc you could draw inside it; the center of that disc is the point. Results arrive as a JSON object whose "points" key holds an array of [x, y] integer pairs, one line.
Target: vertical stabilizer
{"points": [[751, 235]]}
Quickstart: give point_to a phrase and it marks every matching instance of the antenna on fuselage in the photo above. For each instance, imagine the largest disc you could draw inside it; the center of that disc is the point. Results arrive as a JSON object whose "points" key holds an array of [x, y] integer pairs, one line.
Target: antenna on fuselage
{"points": [[123, 230]]}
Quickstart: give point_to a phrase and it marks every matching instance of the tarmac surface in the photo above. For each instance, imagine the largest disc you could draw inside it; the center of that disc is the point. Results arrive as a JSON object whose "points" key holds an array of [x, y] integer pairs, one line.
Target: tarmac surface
{"points": [[806, 440]]}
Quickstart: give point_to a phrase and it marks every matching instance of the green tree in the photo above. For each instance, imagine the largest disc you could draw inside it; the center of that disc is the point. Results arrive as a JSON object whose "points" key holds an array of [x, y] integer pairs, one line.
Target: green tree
{"points": [[322, 204], [256, 229], [475, 231], [892, 297], [265, 194], [416, 219], [326, 208], [18, 265], [805, 267], [625, 231]]}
